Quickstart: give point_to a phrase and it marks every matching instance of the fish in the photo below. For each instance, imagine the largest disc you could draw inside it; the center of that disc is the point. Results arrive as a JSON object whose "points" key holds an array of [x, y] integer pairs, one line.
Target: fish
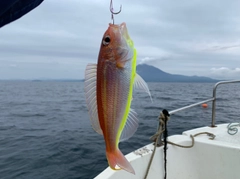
{"points": [[109, 86]]}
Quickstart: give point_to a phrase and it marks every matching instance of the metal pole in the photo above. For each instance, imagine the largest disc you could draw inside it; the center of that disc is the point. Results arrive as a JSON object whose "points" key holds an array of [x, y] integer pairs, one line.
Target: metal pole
{"points": [[214, 98], [190, 106]]}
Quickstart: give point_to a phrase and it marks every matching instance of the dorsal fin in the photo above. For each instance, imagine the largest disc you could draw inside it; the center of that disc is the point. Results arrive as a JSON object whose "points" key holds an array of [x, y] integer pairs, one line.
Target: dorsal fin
{"points": [[90, 93]]}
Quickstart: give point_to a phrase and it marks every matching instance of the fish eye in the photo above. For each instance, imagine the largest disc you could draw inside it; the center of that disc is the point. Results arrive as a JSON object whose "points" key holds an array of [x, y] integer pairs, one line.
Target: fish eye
{"points": [[106, 40]]}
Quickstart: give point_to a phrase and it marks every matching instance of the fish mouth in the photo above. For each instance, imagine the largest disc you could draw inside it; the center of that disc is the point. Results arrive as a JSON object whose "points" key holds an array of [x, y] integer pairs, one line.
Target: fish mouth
{"points": [[122, 28], [124, 31]]}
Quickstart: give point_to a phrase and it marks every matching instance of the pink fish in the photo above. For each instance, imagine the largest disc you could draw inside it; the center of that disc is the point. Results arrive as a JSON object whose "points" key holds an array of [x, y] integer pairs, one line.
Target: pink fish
{"points": [[108, 86]]}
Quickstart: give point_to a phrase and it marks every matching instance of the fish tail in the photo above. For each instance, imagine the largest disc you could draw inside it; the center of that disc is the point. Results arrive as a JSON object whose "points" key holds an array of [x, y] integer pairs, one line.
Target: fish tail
{"points": [[116, 158]]}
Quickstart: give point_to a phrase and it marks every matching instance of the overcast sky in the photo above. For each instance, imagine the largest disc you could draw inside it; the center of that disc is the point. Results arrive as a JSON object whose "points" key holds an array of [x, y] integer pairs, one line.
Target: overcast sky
{"points": [[60, 37]]}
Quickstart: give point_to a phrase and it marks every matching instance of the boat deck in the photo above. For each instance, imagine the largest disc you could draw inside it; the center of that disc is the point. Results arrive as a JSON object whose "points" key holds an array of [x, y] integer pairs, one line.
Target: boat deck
{"points": [[221, 135]]}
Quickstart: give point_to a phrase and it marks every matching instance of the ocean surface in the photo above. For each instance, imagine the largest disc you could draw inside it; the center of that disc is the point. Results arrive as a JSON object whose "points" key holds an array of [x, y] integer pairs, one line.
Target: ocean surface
{"points": [[45, 132]]}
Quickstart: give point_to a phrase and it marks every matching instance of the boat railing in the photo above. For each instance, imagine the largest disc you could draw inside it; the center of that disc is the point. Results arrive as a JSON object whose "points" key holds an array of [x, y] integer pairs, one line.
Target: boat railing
{"points": [[213, 99]]}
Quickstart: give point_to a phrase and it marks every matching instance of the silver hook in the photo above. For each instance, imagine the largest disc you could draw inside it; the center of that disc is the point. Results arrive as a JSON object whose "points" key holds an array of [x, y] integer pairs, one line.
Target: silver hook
{"points": [[114, 13]]}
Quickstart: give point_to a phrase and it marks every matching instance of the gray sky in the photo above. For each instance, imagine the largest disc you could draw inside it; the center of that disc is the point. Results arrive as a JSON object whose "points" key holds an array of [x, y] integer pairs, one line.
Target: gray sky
{"points": [[60, 37]]}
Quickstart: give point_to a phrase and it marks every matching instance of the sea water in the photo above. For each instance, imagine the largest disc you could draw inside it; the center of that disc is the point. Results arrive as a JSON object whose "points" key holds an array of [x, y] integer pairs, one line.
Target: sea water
{"points": [[45, 132]]}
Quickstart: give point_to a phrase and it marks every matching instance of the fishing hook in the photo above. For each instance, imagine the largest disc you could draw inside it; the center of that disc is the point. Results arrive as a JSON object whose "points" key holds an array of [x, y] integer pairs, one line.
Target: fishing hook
{"points": [[114, 13]]}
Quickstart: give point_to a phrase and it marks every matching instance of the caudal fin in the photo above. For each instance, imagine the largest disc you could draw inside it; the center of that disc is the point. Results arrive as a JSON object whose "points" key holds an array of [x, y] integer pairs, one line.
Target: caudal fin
{"points": [[116, 158]]}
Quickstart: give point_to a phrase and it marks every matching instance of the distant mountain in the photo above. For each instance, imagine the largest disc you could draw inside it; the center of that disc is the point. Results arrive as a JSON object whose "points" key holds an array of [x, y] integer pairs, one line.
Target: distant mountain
{"points": [[153, 74], [44, 80], [58, 80]]}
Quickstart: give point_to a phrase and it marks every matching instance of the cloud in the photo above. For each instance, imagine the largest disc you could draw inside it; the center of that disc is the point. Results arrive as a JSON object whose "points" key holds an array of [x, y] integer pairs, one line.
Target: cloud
{"points": [[187, 37], [146, 60], [226, 73]]}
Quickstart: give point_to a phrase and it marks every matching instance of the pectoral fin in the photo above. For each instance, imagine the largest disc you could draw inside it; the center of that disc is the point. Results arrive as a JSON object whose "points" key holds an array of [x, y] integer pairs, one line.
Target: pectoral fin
{"points": [[141, 85]]}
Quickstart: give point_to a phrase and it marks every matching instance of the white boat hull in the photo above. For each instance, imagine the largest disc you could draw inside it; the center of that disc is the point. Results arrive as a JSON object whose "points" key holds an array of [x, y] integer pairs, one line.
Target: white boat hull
{"points": [[207, 159]]}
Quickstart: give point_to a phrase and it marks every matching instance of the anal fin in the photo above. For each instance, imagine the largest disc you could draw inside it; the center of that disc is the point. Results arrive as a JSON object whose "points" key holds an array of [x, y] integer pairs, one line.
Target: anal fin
{"points": [[130, 127]]}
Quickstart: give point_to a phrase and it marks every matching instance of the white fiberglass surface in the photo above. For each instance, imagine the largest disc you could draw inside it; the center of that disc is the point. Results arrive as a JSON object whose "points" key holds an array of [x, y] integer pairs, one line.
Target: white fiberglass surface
{"points": [[208, 159]]}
